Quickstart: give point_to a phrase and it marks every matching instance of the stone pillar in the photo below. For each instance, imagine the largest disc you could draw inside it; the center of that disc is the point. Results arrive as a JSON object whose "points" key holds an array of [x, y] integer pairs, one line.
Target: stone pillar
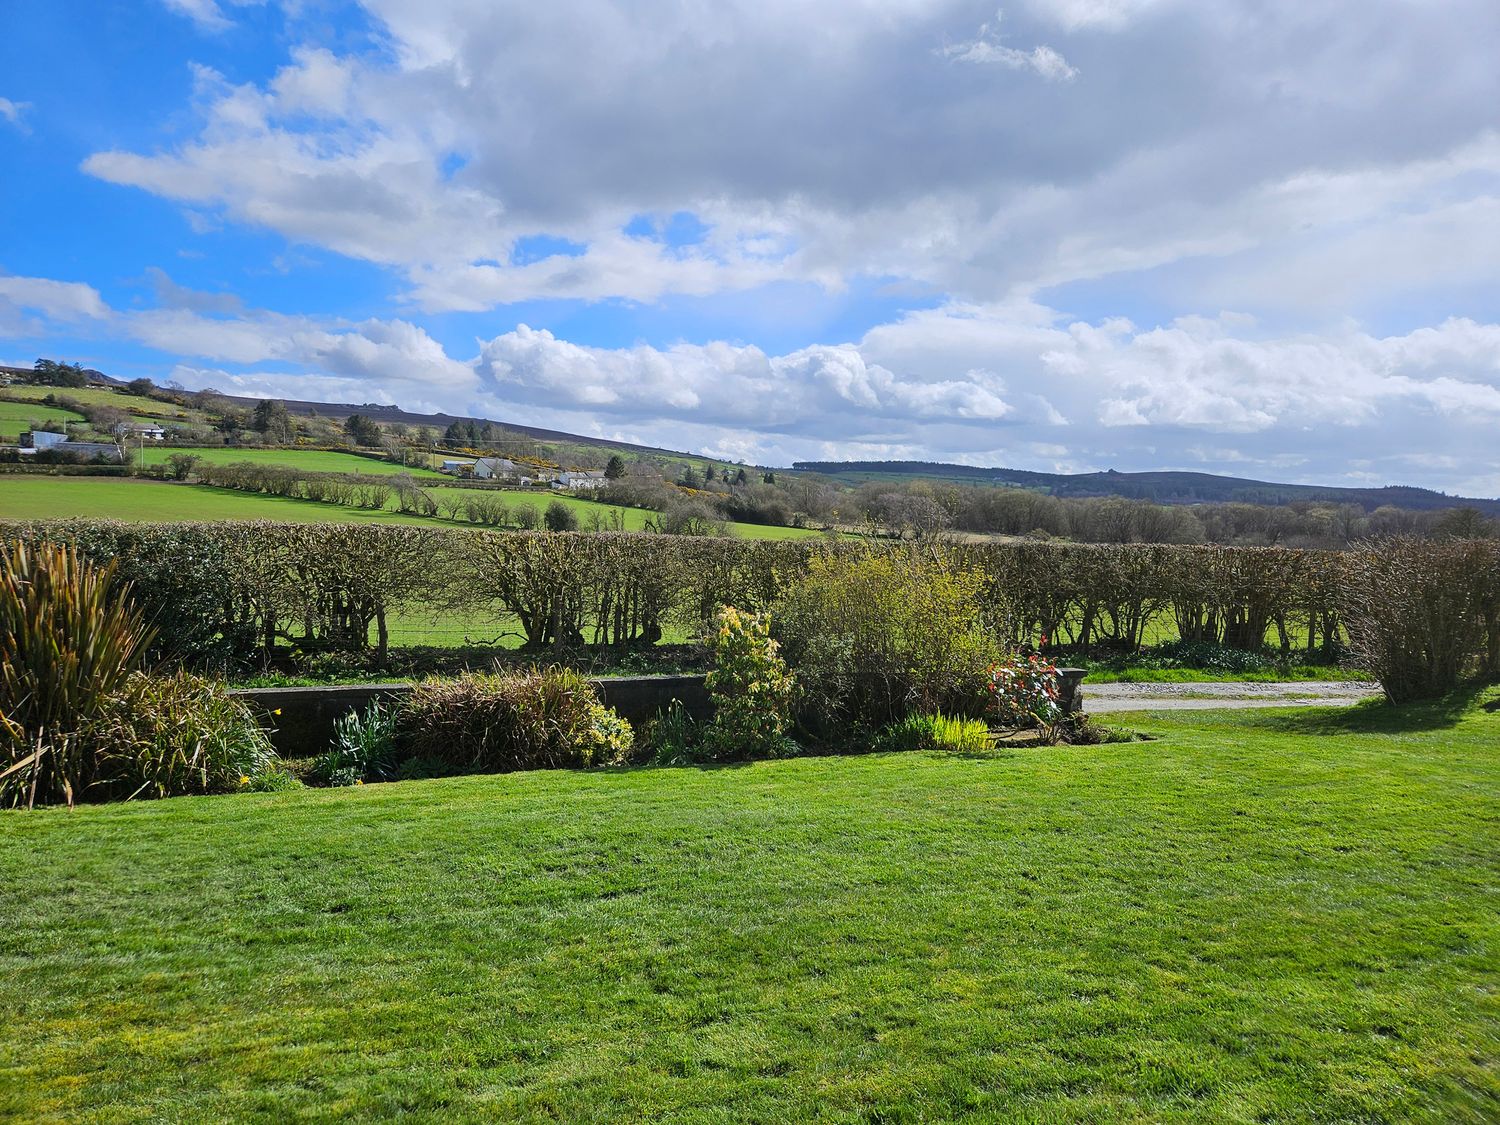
{"points": [[1070, 689]]}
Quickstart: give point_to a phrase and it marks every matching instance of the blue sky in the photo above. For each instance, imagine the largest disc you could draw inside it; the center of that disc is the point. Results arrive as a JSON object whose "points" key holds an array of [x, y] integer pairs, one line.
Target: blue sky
{"points": [[1063, 234]]}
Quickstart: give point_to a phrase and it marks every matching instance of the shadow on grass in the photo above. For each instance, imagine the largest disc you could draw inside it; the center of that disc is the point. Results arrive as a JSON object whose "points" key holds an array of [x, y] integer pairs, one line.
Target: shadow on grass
{"points": [[1377, 716]]}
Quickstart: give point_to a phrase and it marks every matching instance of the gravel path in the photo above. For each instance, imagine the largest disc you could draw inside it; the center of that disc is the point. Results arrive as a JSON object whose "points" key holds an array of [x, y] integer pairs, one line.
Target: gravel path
{"points": [[1099, 698]]}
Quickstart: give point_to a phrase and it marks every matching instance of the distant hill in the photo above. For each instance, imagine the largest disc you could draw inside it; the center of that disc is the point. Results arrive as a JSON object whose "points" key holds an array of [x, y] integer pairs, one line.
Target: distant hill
{"points": [[1161, 487], [388, 414]]}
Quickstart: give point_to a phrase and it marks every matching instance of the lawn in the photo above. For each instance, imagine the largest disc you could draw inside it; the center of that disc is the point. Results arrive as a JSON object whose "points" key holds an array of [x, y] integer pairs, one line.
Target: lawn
{"points": [[1259, 917], [1292, 672], [24, 497]]}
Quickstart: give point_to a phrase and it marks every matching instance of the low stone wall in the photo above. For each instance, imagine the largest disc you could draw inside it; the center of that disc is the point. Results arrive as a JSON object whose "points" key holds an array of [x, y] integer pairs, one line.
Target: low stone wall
{"points": [[301, 718]]}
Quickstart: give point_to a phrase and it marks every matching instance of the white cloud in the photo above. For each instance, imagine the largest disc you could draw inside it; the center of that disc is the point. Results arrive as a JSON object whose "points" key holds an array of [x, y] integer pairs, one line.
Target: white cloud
{"points": [[207, 15], [1074, 15], [988, 49], [1156, 158], [14, 112], [60, 300]]}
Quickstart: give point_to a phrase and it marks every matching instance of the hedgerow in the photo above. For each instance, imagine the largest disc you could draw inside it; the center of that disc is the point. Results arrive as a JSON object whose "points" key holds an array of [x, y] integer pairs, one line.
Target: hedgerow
{"points": [[222, 593]]}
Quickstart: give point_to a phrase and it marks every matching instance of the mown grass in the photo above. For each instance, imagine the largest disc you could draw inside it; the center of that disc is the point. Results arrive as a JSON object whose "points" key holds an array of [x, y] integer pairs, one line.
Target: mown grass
{"points": [[48, 497], [1294, 672], [1261, 916]]}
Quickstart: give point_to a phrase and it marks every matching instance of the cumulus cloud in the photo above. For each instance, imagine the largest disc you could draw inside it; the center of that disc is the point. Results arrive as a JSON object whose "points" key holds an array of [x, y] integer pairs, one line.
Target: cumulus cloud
{"points": [[59, 300], [1086, 194], [824, 145]]}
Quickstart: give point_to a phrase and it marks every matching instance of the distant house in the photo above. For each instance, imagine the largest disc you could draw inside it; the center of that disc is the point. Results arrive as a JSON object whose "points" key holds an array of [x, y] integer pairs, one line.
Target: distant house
{"points": [[140, 431], [493, 468], [39, 441], [592, 478], [458, 468]]}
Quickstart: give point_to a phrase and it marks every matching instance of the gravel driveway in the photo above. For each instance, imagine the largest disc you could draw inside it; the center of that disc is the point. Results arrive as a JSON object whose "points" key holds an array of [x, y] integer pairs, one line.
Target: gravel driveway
{"points": [[1101, 698]]}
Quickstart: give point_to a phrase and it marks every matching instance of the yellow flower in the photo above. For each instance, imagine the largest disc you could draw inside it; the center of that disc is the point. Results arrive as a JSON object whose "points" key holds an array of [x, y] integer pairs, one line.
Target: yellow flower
{"points": [[358, 782], [277, 711], [244, 779]]}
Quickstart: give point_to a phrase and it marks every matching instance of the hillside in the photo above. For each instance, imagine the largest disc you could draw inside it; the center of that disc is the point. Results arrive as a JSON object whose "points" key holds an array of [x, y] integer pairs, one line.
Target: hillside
{"points": [[394, 414], [1167, 487]]}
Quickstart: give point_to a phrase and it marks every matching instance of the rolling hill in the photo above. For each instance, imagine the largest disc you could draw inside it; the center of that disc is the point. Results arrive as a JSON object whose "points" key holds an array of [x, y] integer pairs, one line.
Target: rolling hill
{"points": [[1166, 487]]}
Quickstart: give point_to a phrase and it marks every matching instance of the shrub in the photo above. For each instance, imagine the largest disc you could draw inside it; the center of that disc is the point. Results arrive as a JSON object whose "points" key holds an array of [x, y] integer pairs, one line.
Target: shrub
{"points": [[877, 637], [512, 721], [174, 735], [1416, 613], [68, 641], [934, 732], [1023, 692], [364, 748], [751, 690], [560, 517]]}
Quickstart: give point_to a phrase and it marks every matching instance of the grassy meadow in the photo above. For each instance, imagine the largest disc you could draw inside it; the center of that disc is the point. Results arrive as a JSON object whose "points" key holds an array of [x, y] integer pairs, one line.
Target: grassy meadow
{"points": [[26, 497], [308, 460], [1259, 917], [18, 416]]}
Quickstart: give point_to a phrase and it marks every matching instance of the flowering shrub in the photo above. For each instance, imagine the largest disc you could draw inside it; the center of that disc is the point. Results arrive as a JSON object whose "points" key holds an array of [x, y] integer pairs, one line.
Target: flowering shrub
{"points": [[751, 690], [1023, 692]]}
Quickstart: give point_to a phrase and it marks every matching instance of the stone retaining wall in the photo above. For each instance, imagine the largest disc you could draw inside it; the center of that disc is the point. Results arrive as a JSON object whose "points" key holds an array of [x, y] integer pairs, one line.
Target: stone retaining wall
{"points": [[301, 718]]}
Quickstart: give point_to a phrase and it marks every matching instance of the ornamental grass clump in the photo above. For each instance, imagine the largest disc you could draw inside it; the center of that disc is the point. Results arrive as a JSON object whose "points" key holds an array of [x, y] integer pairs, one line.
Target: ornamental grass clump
{"points": [[945, 733], [538, 719], [69, 639], [171, 736], [751, 690]]}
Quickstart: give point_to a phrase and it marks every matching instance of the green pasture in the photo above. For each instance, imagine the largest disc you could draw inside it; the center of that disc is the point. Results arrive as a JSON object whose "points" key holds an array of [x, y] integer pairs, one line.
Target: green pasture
{"points": [[61, 497], [146, 501], [18, 416], [308, 460], [101, 396], [1261, 916]]}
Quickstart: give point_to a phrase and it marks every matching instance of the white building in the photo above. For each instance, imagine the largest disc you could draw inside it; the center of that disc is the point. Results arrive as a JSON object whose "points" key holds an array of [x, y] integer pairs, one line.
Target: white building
{"points": [[491, 468], [592, 478], [140, 431]]}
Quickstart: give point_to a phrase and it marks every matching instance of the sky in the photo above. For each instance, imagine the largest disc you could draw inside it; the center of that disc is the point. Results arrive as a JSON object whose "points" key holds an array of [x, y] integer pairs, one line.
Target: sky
{"points": [[1256, 237]]}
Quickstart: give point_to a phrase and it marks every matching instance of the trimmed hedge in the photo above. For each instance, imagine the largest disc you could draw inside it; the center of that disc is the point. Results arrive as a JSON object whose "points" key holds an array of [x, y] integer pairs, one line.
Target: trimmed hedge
{"points": [[220, 593]]}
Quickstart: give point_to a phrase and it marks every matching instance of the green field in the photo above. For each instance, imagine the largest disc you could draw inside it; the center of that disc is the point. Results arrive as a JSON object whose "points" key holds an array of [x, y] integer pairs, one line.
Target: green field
{"points": [[309, 460], [144, 501], [1260, 917], [18, 416], [100, 396], [25, 497]]}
